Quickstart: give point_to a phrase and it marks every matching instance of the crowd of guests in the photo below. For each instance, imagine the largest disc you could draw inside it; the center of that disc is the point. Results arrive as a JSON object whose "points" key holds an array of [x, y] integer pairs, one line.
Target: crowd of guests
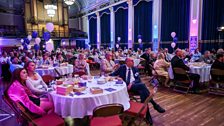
{"points": [[28, 87]]}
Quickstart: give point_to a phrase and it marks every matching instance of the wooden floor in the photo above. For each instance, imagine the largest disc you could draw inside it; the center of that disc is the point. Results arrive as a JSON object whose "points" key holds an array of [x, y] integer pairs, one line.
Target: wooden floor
{"points": [[181, 110]]}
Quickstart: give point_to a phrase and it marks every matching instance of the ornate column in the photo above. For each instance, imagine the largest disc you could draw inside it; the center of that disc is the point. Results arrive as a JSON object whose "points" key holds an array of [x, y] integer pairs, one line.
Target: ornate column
{"points": [[130, 23], [98, 31], [112, 28], [33, 10]]}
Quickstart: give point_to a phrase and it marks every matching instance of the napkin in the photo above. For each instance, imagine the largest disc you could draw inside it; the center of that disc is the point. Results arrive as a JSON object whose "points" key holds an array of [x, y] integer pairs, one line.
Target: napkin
{"points": [[110, 89], [119, 82], [78, 93]]}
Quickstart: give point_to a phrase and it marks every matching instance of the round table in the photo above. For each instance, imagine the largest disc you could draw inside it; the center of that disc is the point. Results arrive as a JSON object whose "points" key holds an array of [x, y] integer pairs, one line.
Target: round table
{"points": [[198, 68], [78, 106], [63, 70]]}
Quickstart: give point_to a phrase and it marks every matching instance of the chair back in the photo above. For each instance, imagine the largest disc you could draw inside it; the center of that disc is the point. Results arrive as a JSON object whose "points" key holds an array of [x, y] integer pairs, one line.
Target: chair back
{"points": [[180, 71], [47, 78], [146, 103], [108, 110], [217, 72], [57, 72], [10, 103]]}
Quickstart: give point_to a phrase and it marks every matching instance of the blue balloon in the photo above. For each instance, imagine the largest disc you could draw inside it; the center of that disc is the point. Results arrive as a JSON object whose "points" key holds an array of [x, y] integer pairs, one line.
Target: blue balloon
{"points": [[25, 47], [34, 34], [46, 36], [36, 47], [139, 36], [175, 39], [26, 41]]}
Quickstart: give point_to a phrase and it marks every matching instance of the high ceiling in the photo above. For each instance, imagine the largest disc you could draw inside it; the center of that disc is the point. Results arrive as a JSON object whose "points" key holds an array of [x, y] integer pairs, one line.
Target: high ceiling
{"points": [[86, 5]]}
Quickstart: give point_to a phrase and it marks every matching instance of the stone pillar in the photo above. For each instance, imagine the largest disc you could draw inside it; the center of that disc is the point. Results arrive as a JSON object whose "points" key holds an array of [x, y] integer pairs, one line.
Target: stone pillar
{"points": [[112, 28]]}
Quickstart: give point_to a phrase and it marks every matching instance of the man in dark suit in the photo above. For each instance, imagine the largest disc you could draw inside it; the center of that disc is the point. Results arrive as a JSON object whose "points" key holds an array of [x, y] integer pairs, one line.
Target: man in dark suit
{"points": [[130, 75], [218, 64], [177, 61], [148, 60]]}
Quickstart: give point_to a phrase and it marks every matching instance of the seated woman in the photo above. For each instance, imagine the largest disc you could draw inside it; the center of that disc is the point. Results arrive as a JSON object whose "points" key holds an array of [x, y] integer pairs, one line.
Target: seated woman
{"points": [[18, 92], [34, 81], [80, 64], [161, 67]]}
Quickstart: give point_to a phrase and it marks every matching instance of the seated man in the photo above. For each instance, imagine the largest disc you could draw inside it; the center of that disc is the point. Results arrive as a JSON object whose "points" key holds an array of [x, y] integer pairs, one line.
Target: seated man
{"points": [[218, 64], [107, 65], [130, 75], [177, 61], [206, 58], [14, 64]]}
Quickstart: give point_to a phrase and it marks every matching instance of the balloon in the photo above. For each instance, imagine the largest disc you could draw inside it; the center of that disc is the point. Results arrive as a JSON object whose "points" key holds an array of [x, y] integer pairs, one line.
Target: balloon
{"points": [[139, 37], [21, 47], [28, 47], [25, 47], [118, 38], [49, 46], [36, 47], [46, 36], [173, 44], [175, 39], [26, 40], [29, 37], [34, 34], [37, 40], [50, 27], [21, 40], [117, 45], [173, 34], [139, 40]]}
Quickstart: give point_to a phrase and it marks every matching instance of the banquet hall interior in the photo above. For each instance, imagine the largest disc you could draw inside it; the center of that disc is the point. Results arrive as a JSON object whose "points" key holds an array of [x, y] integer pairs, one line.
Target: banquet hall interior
{"points": [[112, 62]]}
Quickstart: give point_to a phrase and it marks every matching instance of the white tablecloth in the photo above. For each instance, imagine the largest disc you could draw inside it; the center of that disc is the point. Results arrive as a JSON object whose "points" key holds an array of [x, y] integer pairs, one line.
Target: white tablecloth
{"points": [[63, 70], [136, 61], [203, 71], [83, 105]]}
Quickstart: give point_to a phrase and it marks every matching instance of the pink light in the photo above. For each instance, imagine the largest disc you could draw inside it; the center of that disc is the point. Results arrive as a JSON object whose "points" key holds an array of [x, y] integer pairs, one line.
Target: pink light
{"points": [[194, 21], [129, 34]]}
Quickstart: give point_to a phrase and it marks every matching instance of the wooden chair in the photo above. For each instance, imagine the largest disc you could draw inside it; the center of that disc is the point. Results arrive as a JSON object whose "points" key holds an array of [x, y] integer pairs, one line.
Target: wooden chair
{"points": [[25, 117], [47, 78], [137, 111], [156, 76], [107, 115], [216, 85], [182, 86], [141, 67]]}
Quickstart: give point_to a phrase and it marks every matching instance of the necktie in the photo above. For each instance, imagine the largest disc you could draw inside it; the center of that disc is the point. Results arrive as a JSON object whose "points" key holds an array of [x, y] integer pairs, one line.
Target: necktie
{"points": [[129, 76]]}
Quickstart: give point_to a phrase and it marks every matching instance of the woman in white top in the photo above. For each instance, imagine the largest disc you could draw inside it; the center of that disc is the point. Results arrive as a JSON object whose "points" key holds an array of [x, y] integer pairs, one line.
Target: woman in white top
{"points": [[34, 81]]}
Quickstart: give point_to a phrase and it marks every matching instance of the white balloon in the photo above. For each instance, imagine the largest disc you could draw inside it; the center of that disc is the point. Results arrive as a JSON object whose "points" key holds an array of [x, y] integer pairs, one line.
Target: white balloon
{"points": [[117, 45], [119, 38], [49, 46], [28, 47], [173, 34], [29, 37], [173, 44], [21, 40], [139, 40], [37, 40], [50, 27], [21, 47]]}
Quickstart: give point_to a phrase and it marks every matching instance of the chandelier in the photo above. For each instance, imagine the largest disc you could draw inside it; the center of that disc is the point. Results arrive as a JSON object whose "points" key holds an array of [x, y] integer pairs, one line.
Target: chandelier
{"points": [[69, 2], [50, 10]]}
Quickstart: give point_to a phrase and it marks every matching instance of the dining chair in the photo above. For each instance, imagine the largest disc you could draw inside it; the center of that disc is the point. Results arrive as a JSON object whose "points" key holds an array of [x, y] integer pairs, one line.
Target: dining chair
{"points": [[137, 111], [107, 115], [216, 85], [184, 84], [47, 78], [25, 117]]}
